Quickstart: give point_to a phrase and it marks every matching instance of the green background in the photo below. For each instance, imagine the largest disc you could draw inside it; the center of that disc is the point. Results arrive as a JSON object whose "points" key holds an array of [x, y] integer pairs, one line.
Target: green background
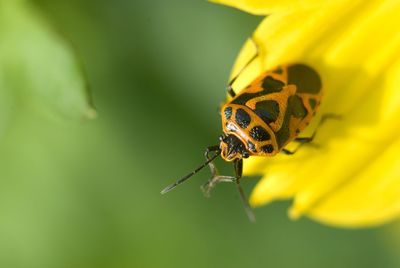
{"points": [[78, 193]]}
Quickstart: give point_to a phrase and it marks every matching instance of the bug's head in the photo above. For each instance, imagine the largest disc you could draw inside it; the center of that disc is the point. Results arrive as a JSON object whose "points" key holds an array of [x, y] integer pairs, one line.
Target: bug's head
{"points": [[232, 148]]}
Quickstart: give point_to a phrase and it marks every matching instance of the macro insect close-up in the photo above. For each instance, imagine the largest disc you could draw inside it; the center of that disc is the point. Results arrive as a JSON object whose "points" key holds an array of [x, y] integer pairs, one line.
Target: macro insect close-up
{"points": [[262, 119], [284, 113]]}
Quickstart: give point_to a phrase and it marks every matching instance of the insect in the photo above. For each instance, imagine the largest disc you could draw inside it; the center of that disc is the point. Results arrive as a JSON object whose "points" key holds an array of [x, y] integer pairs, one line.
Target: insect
{"points": [[261, 120]]}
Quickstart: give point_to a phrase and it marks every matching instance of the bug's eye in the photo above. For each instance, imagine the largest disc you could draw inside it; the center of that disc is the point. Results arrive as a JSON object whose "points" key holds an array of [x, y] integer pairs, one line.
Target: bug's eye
{"points": [[245, 154]]}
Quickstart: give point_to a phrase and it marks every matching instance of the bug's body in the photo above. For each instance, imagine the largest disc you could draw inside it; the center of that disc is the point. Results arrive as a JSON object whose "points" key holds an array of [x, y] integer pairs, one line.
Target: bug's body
{"points": [[261, 120], [270, 112]]}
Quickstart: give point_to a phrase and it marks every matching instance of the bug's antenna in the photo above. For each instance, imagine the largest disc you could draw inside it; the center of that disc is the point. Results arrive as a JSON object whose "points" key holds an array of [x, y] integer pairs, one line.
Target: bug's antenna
{"points": [[182, 180], [247, 208]]}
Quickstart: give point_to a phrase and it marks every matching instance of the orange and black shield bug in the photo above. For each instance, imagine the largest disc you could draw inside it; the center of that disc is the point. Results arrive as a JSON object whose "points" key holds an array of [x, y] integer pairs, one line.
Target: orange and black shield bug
{"points": [[262, 119]]}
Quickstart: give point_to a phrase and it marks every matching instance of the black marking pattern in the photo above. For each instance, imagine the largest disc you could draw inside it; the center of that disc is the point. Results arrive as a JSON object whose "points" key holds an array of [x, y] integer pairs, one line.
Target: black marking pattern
{"points": [[267, 148], [283, 133], [259, 134], [242, 118], [296, 109], [272, 85], [306, 79], [312, 103], [278, 70], [295, 105], [269, 85], [252, 146], [228, 112], [267, 110]]}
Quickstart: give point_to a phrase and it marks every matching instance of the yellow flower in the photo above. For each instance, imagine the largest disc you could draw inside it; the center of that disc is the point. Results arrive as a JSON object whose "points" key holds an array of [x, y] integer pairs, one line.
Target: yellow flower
{"points": [[352, 178]]}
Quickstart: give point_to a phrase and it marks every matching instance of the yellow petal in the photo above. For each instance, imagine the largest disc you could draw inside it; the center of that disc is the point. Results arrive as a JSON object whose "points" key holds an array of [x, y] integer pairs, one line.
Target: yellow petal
{"points": [[370, 198], [367, 192], [352, 178], [265, 7]]}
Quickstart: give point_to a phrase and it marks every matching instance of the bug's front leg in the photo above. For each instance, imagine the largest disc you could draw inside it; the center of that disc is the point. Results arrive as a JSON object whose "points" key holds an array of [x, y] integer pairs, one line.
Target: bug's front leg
{"points": [[215, 177], [212, 166], [239, 171]]}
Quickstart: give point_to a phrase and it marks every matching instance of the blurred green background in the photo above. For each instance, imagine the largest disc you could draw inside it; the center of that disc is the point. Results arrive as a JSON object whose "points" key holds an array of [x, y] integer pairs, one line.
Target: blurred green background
{"points": [[85, 193]]}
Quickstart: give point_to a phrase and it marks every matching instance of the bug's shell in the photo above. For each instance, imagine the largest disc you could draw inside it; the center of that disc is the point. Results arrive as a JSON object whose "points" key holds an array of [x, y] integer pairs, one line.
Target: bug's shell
{"points": [[273, 109]]}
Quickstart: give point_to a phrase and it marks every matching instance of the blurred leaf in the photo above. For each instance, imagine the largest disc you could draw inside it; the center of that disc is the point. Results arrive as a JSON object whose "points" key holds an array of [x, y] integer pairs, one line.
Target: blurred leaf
{"points": [[5, 105], [38, 68]]}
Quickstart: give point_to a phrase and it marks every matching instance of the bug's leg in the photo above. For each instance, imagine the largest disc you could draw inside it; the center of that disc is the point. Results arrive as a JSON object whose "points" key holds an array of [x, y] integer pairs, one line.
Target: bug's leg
{"points": [[212, 166], [215, 178], [238, 164], [211, 183], [324, 118], [288, 152], [302, 141], [256, 54], [230, 91], [307, 140]]}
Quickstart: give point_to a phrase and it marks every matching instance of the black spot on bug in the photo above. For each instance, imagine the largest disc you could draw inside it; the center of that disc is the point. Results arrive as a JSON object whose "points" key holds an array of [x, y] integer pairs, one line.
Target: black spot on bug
{"points": [[283, 134], [278, 70], [243, 98], [259, 134], [252, 146], [312, 103], [242, 118], [267, 110], [270, 84], [267, 148], [305, 78], [296, 107], [228, 112]]}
